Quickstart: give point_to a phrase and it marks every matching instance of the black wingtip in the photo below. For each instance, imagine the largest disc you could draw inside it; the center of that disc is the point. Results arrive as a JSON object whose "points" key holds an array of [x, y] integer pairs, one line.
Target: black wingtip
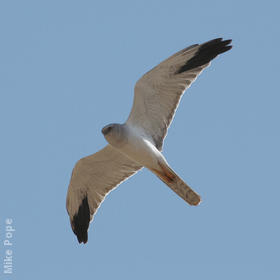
{"points": [[80, 222], [206, 52]]}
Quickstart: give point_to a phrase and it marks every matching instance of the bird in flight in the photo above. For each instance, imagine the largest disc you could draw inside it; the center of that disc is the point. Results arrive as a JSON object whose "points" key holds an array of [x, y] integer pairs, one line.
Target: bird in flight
{"points": [[138, 142]]}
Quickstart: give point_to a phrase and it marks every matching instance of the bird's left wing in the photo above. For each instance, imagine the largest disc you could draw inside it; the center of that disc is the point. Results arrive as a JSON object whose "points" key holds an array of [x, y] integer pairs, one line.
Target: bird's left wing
{"points": [[93, 177], [158, 92]]}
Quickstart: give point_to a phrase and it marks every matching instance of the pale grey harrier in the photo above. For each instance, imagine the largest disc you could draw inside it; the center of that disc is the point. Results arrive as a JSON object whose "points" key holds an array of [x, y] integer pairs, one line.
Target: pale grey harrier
{"points": [[138, 142]]}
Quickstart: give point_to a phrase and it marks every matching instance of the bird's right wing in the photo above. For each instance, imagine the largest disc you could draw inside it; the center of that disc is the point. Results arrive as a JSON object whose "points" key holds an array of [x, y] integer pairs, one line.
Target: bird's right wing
{"points": [[158, 92], [93, 177]]}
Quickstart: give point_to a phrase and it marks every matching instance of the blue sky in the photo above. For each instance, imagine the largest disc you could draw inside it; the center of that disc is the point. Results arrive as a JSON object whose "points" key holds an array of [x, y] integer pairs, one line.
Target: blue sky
{"points": [[65, 65]]}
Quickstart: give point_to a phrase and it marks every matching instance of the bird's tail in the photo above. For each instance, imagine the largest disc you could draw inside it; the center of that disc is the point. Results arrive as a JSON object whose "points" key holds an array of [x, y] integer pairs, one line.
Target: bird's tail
{"points": [[172, 180]]}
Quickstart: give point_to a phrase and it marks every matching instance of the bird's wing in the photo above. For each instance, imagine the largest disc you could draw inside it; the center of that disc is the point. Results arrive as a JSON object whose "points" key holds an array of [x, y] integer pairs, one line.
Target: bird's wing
{"points": [[158, 92], [93, 177]]}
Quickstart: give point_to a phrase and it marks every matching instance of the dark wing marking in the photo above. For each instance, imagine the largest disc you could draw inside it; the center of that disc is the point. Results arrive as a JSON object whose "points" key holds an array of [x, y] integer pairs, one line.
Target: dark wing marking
{"points": [[206, 53], [80, 222]]}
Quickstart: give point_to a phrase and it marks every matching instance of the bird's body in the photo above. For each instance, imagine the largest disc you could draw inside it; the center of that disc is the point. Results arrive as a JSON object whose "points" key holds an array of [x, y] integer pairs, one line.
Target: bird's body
{"points": [[138, 142], [135, 144]]}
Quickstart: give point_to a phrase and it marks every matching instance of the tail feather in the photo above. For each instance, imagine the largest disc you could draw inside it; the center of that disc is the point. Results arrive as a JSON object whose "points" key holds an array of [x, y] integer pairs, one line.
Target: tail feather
{"points": [[172, 180]]}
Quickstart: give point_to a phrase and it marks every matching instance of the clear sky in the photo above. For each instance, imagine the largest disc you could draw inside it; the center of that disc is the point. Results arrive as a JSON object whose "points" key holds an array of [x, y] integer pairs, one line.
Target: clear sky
{"points": [[65, 66]]}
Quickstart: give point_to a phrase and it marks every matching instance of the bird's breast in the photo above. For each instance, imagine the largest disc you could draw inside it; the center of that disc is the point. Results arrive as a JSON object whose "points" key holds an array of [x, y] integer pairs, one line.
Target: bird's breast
{"points": [[140, 149]]}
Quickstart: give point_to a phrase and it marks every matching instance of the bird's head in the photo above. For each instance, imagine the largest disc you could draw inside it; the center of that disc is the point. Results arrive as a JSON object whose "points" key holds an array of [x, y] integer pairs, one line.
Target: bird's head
{"points": [[115, 134], [108, 129]]}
